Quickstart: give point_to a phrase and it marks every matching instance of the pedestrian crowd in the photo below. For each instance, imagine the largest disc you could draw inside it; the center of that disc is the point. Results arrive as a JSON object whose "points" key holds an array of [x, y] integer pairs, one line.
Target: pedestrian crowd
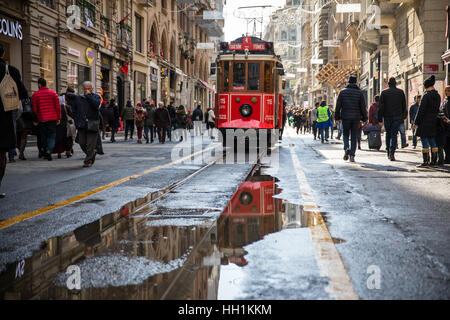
{"points": [[84, 118], [428, 117]]}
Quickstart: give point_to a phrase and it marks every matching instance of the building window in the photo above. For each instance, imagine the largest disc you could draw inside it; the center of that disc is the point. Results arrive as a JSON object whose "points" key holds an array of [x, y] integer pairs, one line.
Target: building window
{"points": [[138, 33], [76, 75], [48, 3], [87, 10], [293, 34], [47, 49], [283, 35]]}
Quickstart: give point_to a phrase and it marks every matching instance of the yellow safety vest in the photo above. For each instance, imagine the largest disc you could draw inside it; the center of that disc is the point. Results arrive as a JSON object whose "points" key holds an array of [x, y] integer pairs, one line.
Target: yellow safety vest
{"points": [[322, 114]]}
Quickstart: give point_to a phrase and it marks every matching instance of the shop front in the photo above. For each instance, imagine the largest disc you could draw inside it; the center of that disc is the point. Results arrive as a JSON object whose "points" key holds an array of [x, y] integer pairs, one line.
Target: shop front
{"points": [[11, 36], [105, 77], [140, 83], [81, 61]]}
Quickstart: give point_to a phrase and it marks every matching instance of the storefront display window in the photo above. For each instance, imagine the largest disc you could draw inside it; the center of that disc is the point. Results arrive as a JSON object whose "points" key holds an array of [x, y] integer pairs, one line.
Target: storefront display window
{"points": [[140, 86], [76, 75], [48, 60]]}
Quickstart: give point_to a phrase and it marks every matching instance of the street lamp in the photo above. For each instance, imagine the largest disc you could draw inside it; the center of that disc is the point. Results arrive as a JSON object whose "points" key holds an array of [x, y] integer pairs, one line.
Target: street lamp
{"points": [[398, 69], [414, 59]]}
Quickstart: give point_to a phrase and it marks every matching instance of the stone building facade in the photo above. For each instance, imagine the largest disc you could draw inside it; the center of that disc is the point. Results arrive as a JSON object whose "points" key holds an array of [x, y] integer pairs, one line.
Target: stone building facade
{"points": [[129, 50]]}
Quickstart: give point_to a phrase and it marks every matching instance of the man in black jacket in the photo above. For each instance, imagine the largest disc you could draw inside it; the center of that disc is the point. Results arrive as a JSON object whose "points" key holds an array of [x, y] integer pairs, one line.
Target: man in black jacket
{"points": [[85, 108], [351, 110], [197, 116], [393, 111], [7, 132]]}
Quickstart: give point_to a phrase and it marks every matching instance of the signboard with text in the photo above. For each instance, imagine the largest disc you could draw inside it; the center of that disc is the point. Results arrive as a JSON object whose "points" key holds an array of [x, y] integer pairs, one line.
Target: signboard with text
{"points": [[247, 44], [430, 68]]}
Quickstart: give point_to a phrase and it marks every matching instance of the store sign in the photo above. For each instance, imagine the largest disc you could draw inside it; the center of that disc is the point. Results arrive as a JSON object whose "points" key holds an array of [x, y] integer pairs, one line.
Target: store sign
{"points": [[316, 61], [10, 28], [348, 7], [247, 44], [90, 55], [331, 43], [205, 45], [302, 70], [212, 15], [74, 52], [430, 68]]}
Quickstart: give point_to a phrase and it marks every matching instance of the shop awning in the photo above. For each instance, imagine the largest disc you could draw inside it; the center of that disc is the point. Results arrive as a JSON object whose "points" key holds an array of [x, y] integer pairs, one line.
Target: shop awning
{"points": [[207, 85], [335, 75]]}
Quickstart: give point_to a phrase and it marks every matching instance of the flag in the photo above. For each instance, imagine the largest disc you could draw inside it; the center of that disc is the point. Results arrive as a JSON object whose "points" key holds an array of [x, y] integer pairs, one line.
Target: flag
{"points": [[151, 49], [127, 40], [106, 39], [88, 21], [124, 68], [123, 20]]}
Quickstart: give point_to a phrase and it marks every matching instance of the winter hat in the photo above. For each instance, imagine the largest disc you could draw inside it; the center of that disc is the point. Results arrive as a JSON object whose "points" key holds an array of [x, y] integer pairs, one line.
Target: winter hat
{"points": [[139, 104], [352, 79], [429, 82]]}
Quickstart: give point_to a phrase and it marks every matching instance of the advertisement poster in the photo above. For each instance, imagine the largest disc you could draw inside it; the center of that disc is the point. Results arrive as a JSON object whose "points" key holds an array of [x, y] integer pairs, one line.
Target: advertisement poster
{"points": [[413, 89]]}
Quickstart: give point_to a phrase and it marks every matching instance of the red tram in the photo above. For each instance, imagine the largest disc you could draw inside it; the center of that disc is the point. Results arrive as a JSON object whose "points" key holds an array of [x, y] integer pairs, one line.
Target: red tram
{"points": [[249, 86]]}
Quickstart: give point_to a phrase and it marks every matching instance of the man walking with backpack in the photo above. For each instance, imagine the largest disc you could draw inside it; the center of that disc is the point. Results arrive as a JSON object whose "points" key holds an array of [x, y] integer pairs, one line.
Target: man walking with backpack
{"points": [[351, 110], [393, 112], [10, 81]]}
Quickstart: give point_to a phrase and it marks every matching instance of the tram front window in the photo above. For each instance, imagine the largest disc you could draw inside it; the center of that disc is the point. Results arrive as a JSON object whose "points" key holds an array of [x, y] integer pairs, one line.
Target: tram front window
{"points": [[239, 76], [253, 76]]}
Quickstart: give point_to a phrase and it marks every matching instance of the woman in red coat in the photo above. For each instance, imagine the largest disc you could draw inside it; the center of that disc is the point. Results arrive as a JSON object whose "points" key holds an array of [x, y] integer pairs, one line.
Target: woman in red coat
{"points": [[373, 111]]}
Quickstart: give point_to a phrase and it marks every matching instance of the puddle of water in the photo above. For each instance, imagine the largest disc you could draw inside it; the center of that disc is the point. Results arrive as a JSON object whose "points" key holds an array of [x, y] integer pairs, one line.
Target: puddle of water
{"points": [[153, 252]]}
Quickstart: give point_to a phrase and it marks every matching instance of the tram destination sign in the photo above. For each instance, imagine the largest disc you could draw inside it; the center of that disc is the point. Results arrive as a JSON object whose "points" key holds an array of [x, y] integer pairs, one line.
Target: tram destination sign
{"points": [[247, 44]]}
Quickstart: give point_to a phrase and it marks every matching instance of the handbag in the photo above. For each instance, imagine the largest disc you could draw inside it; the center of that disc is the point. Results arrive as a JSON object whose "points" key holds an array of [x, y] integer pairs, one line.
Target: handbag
{"points": [[92, 125], [28, 112]]}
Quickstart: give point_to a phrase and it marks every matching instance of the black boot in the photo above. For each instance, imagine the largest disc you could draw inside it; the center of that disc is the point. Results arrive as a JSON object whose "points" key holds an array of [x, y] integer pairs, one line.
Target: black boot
{"points": [[392, 156], [434, 156], [426, 160], [440, 157], [346, 154]]}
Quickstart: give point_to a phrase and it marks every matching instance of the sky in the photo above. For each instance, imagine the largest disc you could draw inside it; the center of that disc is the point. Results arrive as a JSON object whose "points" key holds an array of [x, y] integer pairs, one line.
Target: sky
{"points": [[235, 27]]}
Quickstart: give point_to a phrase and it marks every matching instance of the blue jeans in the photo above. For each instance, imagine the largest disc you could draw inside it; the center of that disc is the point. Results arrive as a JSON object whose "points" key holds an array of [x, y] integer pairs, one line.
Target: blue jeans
{"points": [[401, 128], [323, 131], [428, 143], [392, 126], [339, 129], [350, 128], [146, 131], [48, 134], [414, 137]]}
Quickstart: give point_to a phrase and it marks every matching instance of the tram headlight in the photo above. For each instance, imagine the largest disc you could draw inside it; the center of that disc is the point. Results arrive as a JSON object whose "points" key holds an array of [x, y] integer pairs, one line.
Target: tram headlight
{"points": [[245, 198], [246, 110]]}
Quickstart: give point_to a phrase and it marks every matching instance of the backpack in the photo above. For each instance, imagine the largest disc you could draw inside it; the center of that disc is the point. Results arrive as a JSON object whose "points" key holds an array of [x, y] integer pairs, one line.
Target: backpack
{"points": [[9, 92]]}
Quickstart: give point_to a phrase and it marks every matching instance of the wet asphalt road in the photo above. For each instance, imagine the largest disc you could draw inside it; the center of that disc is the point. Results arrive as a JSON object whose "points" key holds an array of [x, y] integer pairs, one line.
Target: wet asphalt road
{"points": [[225, 234]]}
